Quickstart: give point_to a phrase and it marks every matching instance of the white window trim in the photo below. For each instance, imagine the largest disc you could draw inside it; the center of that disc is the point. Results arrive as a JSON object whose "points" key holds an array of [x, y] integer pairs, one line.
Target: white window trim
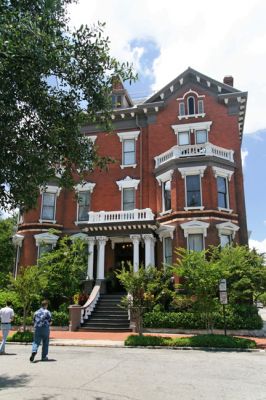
{"points": [[166, 176], [163, 199], [80, 235], [194, 228], [164, 247], [122, 166], [192, 92], [206, 125], [54, 190], [165, 231], [124, 136], [193, 171], [122, 198], [227, 174], [128, 183], [91, 138], [227, 228], [128, 135], [45, 238], [79, 188], [207, 138]]}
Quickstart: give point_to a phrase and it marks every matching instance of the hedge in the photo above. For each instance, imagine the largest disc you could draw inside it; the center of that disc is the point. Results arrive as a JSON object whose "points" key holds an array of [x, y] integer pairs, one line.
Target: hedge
{"points": [[215, 341], [26, 336], [237, 317]]}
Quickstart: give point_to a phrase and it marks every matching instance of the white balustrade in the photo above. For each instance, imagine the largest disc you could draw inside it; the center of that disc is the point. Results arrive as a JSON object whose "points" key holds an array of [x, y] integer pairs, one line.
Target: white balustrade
{"points": [[205, 149], [89, 306], [120, 216]]}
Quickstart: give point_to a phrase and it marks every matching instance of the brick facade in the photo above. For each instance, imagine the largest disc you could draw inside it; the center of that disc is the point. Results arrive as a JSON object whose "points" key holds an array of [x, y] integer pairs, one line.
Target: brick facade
{"points": [[155, 123]]}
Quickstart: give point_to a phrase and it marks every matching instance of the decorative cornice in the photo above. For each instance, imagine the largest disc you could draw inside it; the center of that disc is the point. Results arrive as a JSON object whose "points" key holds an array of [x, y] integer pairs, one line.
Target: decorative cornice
{"points": [[128, 183]]}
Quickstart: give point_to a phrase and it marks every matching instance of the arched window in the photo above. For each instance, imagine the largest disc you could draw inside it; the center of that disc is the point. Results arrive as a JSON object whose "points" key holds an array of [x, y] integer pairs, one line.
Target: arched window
{"points": [[191, 105]]}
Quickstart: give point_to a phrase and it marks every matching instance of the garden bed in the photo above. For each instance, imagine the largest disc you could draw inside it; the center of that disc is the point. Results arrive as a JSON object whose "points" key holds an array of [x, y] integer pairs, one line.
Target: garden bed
{"points": [[202, 341]]}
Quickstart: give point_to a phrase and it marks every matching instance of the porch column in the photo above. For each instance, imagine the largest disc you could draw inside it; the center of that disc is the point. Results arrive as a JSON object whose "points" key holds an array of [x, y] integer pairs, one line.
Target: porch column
{"points": [[149, 249], [135, 239], [101, 242], [91, 242]]}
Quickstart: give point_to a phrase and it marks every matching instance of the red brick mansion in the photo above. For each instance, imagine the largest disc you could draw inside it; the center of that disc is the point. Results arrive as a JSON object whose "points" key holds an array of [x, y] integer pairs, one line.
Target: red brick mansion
{"points": [[177, 181]]}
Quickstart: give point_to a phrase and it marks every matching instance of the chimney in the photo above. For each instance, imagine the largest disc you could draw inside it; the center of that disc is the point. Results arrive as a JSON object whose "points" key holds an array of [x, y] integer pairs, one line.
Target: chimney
{"points": [[229, 80]]}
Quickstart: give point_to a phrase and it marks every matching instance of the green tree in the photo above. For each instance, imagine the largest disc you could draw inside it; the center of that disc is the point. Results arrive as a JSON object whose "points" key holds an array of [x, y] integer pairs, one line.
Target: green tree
{"points": [[28, 286], [245, 271], [200, 278], [144, 288], [52, 81], [64, 269], [7, 250]]}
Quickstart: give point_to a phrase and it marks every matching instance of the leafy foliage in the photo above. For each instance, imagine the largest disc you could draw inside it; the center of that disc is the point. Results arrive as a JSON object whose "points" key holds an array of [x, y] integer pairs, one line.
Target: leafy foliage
{"points": [[145, 287], [7, 250], [237, 317], [215, 341], [25, 337], [244, 270], [64, 269], [28, 285], [52, 81]]}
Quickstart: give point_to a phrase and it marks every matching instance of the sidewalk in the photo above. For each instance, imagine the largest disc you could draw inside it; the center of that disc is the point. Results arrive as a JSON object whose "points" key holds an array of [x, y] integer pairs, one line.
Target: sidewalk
{"points": [[111, 339]]}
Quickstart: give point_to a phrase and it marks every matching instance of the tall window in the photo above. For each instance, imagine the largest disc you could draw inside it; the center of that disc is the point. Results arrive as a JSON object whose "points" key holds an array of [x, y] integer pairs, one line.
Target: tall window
{"points": [[166, 189], [191, 105], [83, 205], [193, 190], [195, 242], [168, 250], [200, 107], [128, 199], [48, 206], [183, 138], [44, 248], [201, 136], [182, 109], [222, 192], [117, 101], [129, 152], [225, 240]]}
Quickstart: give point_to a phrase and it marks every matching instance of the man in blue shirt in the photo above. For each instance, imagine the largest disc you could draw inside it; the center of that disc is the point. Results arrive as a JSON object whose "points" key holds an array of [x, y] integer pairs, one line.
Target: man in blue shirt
{"points": [[42, 322]]}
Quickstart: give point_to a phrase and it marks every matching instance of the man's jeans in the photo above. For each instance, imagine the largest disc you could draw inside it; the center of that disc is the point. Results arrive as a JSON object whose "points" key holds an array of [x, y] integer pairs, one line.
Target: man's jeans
{"points": [[5, 330], [41, 335]]}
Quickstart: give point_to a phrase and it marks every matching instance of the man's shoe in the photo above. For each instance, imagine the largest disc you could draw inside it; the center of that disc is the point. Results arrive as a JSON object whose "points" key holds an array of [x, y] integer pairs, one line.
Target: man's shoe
{"points": [[45, 358], [32, 357]]}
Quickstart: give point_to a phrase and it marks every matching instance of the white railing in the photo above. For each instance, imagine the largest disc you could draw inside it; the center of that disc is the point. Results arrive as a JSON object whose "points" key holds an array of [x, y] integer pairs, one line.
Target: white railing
{"points": [[89, 306], [206, 149], [120, 216]]}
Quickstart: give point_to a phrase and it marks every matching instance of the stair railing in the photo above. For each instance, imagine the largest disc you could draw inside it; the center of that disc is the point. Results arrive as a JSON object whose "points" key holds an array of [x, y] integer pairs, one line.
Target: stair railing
{"points": [[90, 304]]}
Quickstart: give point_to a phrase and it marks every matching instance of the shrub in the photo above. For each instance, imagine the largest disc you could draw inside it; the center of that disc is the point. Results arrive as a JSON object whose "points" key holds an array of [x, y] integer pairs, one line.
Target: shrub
{"points": [[215, 341], [18, 320], [9, 295], [26, 336], [262, 298], [60, 318], [237, 317]]}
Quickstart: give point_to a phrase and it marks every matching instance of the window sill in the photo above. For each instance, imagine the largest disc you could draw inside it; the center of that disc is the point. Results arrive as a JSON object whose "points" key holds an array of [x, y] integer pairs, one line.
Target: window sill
{"points": [[165, 212], [180, 117], [228, 210], [128, 166], [47, 220], [193, 208], [80, 222]]}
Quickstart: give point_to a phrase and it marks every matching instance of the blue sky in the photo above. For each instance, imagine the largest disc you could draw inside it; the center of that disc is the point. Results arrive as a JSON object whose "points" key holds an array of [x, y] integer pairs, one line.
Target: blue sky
{"points": [[162, 39]]}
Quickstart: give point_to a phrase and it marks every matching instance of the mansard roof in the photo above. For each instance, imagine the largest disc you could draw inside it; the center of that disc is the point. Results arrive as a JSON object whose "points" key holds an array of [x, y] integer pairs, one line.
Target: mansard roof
{"points": [[225, 93]]}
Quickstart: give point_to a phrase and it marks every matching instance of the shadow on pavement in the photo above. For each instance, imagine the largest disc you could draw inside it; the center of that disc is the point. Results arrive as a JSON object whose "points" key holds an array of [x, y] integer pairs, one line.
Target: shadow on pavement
{"points": [[45, 362], [7, 381]]}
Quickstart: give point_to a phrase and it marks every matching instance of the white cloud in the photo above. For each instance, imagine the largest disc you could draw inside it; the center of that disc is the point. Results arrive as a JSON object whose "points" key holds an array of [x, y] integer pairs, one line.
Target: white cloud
{"points": [[218, 39], [244, 154], [258, 245]]}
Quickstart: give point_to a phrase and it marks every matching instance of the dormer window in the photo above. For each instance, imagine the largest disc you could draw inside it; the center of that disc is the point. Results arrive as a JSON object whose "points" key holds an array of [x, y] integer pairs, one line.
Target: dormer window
{"points": [[191, 105], [182, 110], [117, 100]]}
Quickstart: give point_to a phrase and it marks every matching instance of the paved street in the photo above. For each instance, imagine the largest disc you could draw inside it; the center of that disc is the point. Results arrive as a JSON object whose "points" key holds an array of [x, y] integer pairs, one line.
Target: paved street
{"points": [[132, 374]]}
